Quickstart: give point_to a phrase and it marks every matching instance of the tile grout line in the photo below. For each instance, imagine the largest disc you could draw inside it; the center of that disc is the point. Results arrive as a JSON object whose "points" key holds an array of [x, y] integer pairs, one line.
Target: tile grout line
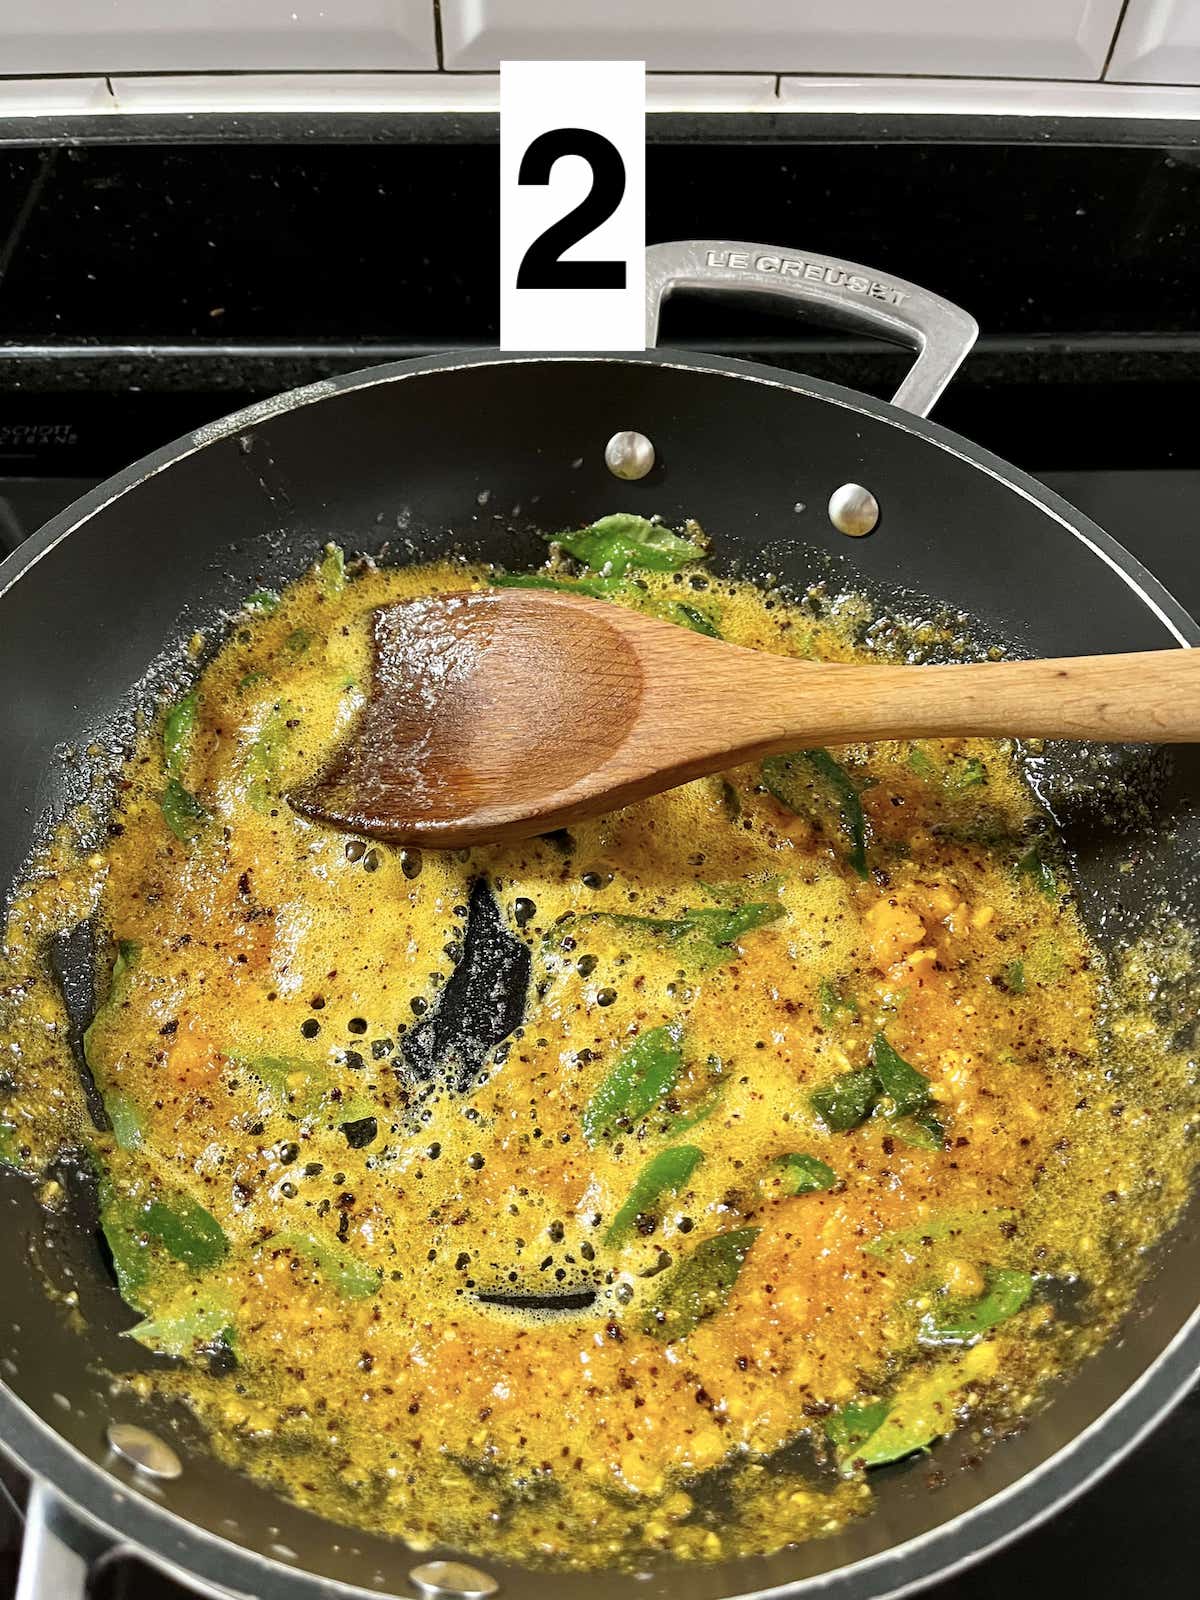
{"points": [[1112, 44]]}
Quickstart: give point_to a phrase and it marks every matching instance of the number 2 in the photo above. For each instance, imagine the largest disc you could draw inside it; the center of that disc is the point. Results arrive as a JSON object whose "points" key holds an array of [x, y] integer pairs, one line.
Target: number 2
{"points": [[542, 266]]}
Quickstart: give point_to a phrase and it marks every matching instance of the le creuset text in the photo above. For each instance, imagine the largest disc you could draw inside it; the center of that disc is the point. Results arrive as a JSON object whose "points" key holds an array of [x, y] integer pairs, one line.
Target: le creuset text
{"points": [[816, 271]]}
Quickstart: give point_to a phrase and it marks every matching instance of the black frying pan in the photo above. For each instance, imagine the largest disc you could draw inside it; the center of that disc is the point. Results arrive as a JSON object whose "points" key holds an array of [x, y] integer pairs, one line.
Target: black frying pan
{"points": [[475, 452]]}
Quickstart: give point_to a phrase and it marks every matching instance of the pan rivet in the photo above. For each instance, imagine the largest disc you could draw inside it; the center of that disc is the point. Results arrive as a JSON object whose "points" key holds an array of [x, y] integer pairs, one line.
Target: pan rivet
{"points": [[853, 510], [629, 455], [452, 1580], [144, 1450]]}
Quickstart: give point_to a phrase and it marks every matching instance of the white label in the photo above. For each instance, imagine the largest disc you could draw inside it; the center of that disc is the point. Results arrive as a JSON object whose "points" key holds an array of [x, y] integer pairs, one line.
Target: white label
{"points": [[572, 205]]}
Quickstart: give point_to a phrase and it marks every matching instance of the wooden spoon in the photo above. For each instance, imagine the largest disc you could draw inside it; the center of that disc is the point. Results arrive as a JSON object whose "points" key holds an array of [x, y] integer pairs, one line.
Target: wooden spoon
{"points": [[512, 712]]}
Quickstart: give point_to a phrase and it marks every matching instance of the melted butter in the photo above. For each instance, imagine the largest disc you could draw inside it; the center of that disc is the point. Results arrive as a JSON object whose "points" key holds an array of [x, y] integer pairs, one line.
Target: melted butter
{"points": [[415, 1408]]}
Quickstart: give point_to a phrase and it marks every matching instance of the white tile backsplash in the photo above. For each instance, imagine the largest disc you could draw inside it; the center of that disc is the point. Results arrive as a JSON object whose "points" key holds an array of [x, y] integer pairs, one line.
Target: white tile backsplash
{"points": [[699, 91], [313, 92], [1159, 42], [54, 97], [398, 92], [978, 38], [983, 97], [111, 36], [366, 92]]}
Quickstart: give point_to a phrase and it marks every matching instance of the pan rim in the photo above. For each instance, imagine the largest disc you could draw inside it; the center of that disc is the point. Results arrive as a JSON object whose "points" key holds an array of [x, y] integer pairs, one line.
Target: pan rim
{"points": [[166, 1537], [1148, 589]]}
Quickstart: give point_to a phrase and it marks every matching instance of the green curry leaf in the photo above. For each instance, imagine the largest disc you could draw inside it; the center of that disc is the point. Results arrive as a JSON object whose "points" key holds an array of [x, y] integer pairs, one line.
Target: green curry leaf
{"points": [[907, 1088], [615, 544], [800, 780], [183, 1330], [291, 1081], [352, 1278], [331, 574], [262, 760], [833, 1003], [139, 1224], [847, 1100], [1039, 872], [127, 1123], [923, 1130], [707, 932], [697, 621], [798, 1174], [925, 1408], [699, 1286], [853, 1424]]}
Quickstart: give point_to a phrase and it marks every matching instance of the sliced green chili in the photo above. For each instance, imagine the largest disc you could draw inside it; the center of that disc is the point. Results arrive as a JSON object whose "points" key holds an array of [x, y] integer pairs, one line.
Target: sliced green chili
{"points": [[644, 1072], [331, 574], [964, 1322], [178, 728], [665, 1173], [182, 812]]}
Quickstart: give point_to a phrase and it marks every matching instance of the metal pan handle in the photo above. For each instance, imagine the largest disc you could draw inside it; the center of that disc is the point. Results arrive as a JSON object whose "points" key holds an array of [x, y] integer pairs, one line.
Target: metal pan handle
{"points": [[62, 1553], [840, 293], [58, 1551]]}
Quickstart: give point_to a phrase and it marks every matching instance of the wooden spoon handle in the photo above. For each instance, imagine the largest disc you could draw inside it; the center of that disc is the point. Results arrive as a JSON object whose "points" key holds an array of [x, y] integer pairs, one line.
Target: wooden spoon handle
{"points": [[1152, 696]]}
